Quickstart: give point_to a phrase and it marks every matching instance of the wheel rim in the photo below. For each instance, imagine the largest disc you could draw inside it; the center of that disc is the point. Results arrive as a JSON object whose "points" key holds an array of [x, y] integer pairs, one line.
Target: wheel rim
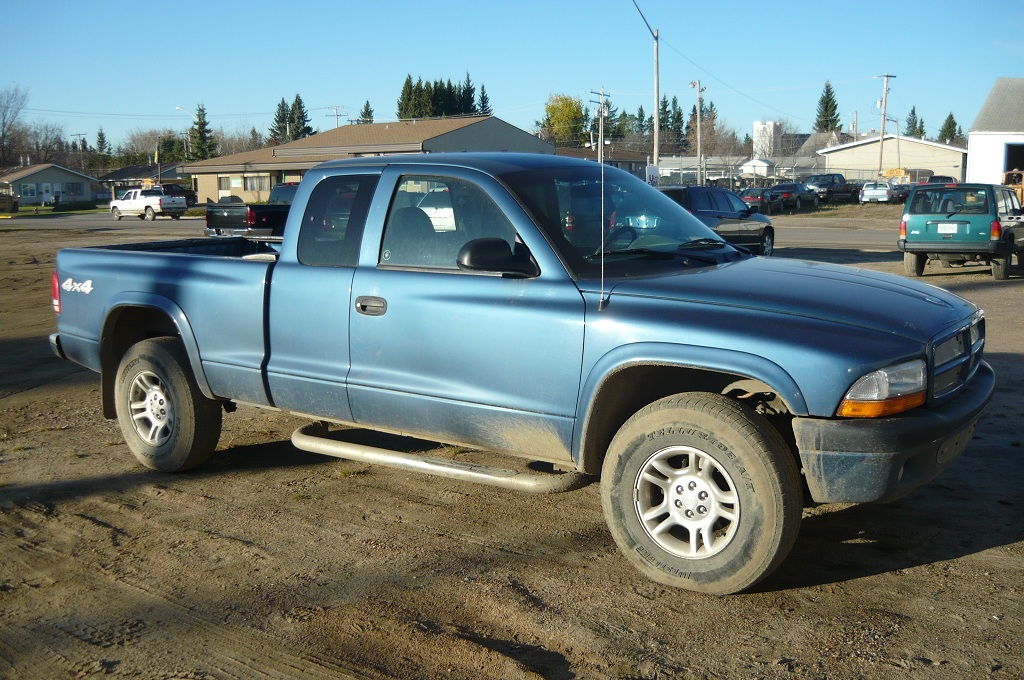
{"points": [[686, 502], [151, 410], [767, 244]]}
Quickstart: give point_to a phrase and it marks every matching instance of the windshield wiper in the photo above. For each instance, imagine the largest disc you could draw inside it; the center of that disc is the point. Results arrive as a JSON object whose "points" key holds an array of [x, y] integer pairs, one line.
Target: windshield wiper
{"points": [[663, 254], [701, 242]]}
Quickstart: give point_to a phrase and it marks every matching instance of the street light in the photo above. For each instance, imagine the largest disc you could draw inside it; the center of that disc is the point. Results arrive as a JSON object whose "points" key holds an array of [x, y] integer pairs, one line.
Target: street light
{"points": [[657, 93], [700, 152]]}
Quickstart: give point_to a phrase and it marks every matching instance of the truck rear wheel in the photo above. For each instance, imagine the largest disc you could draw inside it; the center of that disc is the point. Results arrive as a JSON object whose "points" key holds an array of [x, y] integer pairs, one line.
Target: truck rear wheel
{"points": [[699, 492], [913, 263], [167, 422]]}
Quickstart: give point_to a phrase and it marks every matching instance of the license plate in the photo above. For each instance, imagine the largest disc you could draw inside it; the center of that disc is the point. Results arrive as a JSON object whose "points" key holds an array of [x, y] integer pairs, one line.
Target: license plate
{"points": [[947, 228]]}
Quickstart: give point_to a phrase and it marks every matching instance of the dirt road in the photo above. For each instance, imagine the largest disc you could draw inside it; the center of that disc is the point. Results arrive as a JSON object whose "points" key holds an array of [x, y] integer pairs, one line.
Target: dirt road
{"points": [[274, 563]]}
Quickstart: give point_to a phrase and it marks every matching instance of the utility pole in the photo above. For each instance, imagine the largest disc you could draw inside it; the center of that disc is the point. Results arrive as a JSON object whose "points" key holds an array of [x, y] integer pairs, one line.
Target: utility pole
{"points": [[700, 150], [881, 137], [657, 92], [81, 151], [336, 114]]}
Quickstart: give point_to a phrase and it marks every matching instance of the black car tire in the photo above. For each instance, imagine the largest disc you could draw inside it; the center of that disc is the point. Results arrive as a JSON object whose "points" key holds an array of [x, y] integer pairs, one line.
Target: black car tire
{"points": [[167, 422], [1001, 268], [799, 203], [913, 264], [767, 241], [700, 492]]}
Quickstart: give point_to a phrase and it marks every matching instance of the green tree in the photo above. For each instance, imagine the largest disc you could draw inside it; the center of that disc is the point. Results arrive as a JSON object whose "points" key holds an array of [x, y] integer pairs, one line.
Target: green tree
{"points": [[405, 100], [102, 145], [467, 97], [484, 105], [201, 144], [950, 132], [365, 114], [298, 120], [912, 125], [828, 111], [279, 132]]}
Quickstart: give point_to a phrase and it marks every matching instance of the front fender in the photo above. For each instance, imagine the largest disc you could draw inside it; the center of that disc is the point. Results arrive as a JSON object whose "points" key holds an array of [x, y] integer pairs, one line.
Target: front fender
{"points": [[725, 361]]}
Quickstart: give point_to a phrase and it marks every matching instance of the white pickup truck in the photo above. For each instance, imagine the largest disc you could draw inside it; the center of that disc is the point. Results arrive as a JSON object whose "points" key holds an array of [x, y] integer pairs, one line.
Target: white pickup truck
{"points": [[147, 204]]}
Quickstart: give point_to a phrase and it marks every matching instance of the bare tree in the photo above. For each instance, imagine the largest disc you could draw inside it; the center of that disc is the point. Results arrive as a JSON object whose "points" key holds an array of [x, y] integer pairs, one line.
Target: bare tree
{"points": [[12, 132], [47, 143]]}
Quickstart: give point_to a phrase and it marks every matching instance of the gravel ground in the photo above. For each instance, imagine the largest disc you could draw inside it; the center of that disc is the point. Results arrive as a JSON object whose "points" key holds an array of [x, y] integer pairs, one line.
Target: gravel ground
{"points": [[269, 562]]}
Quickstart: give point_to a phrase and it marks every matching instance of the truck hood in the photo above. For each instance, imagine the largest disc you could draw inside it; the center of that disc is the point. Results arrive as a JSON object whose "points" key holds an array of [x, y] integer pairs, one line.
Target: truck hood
{"points": [[857, 297]]}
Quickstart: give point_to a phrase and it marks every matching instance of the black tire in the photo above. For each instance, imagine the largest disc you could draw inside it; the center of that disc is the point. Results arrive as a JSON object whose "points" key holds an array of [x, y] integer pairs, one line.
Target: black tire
{"points": [[799, 204], [693, 462], [175, 216], [913, 264], [829, 197], [1001, 268], [116, 213], [150, 215], [767, 241], [817, 202], [167, 422]]}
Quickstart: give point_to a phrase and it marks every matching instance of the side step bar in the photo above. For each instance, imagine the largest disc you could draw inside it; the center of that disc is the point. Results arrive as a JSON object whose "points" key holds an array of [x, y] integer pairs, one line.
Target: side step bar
{"points": [[312, 438]]}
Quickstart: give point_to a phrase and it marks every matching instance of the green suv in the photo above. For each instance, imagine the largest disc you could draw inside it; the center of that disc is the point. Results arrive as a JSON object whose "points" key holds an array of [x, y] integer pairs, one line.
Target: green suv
{"points": [[958, 223]]}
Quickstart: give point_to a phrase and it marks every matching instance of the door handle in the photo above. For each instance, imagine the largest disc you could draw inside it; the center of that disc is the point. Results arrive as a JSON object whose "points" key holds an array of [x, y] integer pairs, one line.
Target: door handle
{"points": [[370, 305]]}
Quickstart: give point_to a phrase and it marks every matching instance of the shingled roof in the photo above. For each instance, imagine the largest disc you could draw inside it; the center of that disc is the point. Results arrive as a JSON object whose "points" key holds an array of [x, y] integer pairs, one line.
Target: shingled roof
{"points": [[405, 136], [1003, 110]]}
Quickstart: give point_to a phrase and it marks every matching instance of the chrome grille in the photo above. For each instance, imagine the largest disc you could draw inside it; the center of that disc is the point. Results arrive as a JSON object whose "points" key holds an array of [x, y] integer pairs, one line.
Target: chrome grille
{"points": [[955, 358]]}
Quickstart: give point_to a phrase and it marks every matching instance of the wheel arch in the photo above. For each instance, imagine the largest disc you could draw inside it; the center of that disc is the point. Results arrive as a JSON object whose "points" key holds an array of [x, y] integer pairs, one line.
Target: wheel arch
{"points": [[627, 379], [131, 318]]}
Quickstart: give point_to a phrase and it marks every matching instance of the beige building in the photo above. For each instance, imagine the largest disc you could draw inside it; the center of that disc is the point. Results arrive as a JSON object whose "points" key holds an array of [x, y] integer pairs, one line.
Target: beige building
{"points": [[921, 159], [250, 175]]}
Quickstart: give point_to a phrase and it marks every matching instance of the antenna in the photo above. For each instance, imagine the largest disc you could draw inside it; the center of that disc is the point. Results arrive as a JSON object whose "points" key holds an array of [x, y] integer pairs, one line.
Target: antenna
{"points": [[602, 111]]}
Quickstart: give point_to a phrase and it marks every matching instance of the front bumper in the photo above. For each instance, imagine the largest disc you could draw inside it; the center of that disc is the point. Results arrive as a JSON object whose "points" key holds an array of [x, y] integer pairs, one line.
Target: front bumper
{"points": [[881, 459]]}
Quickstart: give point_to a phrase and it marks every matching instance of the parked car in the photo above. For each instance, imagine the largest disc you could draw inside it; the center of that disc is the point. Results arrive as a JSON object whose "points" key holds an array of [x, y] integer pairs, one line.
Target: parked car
{"points": [[177, 190], [876, 192], [727, 215], [962, 223], [760, 199], [900, 192], [833, 188], [796, 195], [232, 216]]}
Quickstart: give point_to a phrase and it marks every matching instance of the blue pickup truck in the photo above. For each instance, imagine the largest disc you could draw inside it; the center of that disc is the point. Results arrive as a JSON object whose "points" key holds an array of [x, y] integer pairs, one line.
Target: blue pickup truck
{"points": [[549, 310]]}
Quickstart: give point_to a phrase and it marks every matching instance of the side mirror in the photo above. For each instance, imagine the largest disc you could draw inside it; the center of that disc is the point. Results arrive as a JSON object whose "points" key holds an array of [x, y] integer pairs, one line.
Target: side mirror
{"points": [[495, 255]]}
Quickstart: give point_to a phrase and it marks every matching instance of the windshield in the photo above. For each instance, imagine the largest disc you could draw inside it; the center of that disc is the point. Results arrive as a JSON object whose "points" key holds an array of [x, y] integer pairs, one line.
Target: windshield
{"points": [[632, 226]]}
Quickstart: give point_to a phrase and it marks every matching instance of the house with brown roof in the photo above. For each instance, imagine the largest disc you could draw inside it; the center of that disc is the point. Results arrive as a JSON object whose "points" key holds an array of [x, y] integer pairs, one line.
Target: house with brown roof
{"points": [[45, 183], [251, 174]]}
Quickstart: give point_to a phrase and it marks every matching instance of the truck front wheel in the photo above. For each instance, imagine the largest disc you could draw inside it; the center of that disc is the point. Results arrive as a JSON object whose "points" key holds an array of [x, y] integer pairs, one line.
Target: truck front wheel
{"points": [[150, 215], [117, 214], [699, 492], [167, 422]]}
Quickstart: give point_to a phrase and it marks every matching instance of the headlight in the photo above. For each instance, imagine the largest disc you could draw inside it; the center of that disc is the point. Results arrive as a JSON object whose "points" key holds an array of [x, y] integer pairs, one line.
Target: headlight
{"points": [[887, 391]]}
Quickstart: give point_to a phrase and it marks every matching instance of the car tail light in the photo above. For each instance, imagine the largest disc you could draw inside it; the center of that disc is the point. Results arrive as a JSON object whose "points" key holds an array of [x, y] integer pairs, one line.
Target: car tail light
{"points": [[570, 221], [55, 292], [995, 230], [250, 217], [903, 230]]}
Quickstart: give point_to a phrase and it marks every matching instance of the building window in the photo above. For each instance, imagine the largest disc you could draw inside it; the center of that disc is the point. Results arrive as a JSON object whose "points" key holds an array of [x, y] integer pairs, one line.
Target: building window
{"points": [[257, 183], [73, 188], [224, 183]]}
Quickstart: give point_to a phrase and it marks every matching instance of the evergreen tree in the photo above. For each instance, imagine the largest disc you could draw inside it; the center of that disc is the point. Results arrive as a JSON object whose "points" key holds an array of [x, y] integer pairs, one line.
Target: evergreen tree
{"points": [[467, 97], [200, 136], [279, 132], [484, 107], [102, 145], [828, 111], [910, 128], [256, 140], [950, 132], [365, 114], [640, 122], [298, 120]]}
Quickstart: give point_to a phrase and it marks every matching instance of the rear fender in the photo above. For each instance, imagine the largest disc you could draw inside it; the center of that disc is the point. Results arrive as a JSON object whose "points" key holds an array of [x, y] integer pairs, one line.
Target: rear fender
{"points": [[162, 317]]}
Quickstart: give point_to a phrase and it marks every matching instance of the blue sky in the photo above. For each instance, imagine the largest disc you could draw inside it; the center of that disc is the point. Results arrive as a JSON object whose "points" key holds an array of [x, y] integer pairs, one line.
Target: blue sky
{"points": [[127, 66]]}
